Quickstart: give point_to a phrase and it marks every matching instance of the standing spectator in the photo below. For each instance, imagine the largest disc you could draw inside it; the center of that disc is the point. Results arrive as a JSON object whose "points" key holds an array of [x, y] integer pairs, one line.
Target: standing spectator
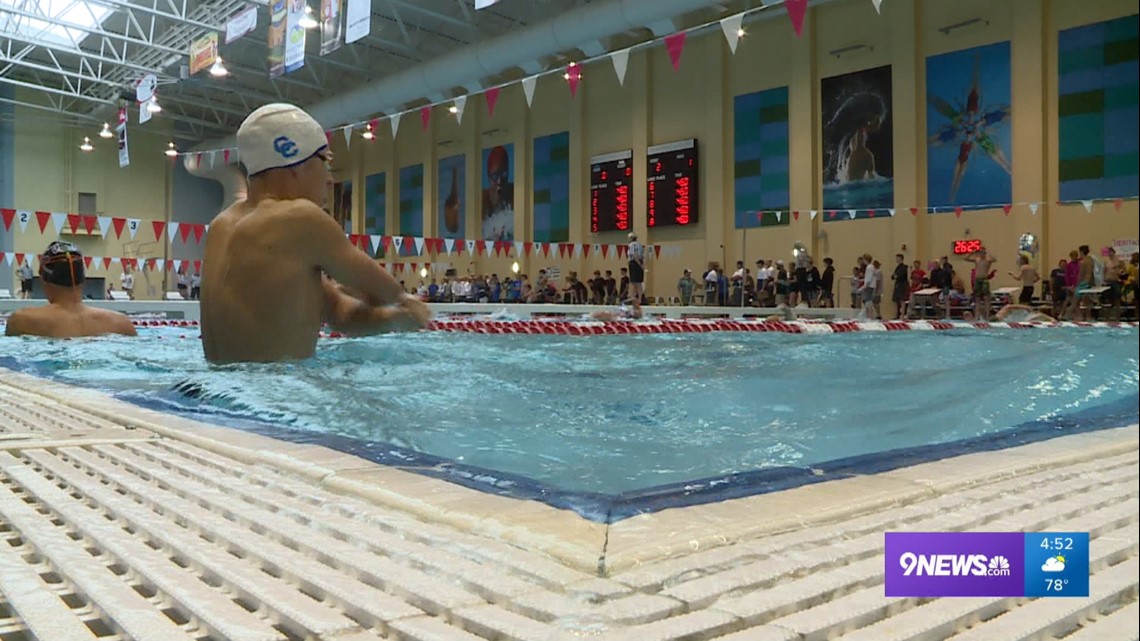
{"points": [[127, 281], [1057, 288], [901, 290], [1028, 277], [24, 272], [827, 284], [685, 287]]}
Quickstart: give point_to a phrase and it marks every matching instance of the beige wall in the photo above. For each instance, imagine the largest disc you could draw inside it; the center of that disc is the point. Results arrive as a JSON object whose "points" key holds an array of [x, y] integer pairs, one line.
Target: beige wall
{"points": [[50, 171]]}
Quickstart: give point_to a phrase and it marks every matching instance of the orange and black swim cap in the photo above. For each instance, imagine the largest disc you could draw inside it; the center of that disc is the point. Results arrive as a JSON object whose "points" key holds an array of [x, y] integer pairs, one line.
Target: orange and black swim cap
{"points": [[62, 264]]}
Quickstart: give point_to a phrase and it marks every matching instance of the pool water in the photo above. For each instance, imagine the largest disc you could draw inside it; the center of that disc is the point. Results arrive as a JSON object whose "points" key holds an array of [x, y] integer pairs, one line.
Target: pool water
{"points": [[615, 414]]}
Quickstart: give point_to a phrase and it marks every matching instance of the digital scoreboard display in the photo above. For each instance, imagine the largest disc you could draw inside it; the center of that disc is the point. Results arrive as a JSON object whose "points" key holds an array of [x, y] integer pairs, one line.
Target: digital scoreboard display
{"points": [[611, 182], [671, 195], [966, 247]]}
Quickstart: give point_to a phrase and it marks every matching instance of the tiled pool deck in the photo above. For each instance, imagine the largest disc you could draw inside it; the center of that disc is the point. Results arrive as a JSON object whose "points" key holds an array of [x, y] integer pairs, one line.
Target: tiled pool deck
{"points": [[123, 523]]}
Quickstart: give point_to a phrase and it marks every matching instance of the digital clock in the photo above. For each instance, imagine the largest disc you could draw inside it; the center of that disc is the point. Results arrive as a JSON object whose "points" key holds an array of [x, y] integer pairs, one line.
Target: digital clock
{"points": [[671, 189], [611, 177], [966, 247]]}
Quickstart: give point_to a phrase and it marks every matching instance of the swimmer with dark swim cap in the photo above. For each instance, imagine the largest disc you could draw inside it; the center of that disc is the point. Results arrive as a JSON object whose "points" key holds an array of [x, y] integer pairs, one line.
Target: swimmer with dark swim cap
{"points": [[65, 316]]}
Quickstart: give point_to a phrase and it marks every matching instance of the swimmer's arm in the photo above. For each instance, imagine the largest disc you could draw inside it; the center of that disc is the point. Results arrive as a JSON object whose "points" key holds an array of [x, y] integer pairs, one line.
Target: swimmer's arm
{"points": [[325, 241], [355, 317], [18, 324], [123, 325]]}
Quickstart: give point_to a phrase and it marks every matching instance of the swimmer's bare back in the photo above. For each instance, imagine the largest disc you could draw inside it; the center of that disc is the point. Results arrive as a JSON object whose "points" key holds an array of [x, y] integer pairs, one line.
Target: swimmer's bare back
{"points": [[68, 321], [263, 294]]}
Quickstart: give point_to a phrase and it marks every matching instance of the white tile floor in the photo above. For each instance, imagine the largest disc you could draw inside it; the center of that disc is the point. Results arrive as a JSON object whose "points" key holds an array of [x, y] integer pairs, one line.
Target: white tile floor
{"points": [[119, 523]]}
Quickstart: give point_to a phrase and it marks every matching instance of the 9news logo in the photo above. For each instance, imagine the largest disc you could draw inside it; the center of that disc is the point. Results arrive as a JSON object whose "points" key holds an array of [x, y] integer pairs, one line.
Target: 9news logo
{"points": [[954, 565], [945, 564]]}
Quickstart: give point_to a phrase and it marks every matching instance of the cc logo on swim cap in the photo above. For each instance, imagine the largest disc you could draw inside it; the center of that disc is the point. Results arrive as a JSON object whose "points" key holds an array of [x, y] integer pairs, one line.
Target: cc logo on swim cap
{"points": [[287, 148]]}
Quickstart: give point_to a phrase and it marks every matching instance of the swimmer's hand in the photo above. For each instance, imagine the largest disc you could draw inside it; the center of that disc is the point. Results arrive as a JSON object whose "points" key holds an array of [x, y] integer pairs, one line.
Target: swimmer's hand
{"points": [[411, 314]]}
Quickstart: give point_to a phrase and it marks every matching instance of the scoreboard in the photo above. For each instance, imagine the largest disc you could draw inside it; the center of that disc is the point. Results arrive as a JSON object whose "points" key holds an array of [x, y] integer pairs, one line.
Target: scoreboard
{"points": [[671, 194], [611, 178]]}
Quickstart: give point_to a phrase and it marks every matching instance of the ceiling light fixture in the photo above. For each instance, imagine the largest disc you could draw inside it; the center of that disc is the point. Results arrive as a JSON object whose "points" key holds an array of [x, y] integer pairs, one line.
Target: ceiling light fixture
{"points": [[307, 21], [86, 146], [218, 70], [368, 135], [106, 133], [170, 149], [153, 107]]}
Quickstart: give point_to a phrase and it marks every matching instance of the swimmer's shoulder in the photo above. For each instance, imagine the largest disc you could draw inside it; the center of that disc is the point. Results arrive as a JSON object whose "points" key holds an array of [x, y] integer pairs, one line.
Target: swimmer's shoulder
{"points": [[21, 321]]}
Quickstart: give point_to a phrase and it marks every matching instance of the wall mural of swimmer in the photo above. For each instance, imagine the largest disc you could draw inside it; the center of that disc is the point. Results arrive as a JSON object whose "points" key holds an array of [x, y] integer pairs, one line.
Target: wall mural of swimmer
{"points": [[375, 207], [411, 206], [342, 204], [858, 158], [451, 196], [968, 155], [498, 184]]}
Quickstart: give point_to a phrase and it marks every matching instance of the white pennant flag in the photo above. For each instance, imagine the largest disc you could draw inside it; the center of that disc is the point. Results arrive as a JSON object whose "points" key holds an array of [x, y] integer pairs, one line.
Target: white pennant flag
{"points": [[813, 213], [851, 214], [732, 28], [104, 225], [115, 261], [528, 89], [518, 248], [1088, 205], [470, 247], [577, 250], [621, 63], [24, 216], [172, 231], [212, 155], [159, 264], [375, 238], [460, 104], [96, 262], [597, 249], [8, 257], [394, 120], [877, 4], [779, 216], [178, 266], [891, 213], [449, 244], [1033, 208], [419, 245], [133, 226], [58, 219], [348, 136]]}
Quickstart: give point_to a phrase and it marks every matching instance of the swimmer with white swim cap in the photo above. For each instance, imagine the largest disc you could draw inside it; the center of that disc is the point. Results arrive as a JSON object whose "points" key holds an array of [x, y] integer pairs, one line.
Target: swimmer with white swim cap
{"points": [[270, 260]]}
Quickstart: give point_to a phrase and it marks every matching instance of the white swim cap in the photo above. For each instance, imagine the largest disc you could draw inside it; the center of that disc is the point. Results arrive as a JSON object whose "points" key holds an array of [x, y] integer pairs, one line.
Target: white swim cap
{"points": [[278, 135]]}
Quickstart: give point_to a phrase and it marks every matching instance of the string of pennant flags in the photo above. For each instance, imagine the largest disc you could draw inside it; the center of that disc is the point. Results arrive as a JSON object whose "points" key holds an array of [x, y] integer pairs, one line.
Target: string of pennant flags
{"points": [[731, 26], [958, 210]]}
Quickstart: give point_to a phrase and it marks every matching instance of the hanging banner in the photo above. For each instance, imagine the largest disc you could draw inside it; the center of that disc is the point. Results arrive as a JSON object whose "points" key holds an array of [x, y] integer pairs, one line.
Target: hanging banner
{"points": [[295, 39], [358, 20], [277, 15], [203, 52], [124, 154], [332, 25], [144, 93], [242, 23]]}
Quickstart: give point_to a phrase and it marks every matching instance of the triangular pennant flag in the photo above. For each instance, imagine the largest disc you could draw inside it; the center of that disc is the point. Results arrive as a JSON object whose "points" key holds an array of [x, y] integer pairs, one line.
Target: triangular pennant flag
{"points": [[8, 258], [386, 243], [675, 44], [42, 217], [470, 246], [172, 230], [106, 262], [577, 250], [184, 231], [58, 219], [518, 248], [797, 9], [87, 261], [9, 215], [159, 264], [118, 223], [621, 63], [492, 96], [225, 157], [528, 85], [1088, 205], [419, 245], [573, 77], [605, 251], [1118, 203], [795, 214], [527, 247], [348, 136], [73, 222], [1005, 209], [891, 213], [597, 248], [20, 256], [133, 226], [425, 116], [914, 211], [449, 245], [957, 212], [460, 104], [115, 261], [394, 120], [198, 231], [89, 223], [375, 242], [813, 213], [877, 4], [197, 266], [732, 26], [779, 216], [159, 227], [1033, 208], [657, 251], [851, 214]]}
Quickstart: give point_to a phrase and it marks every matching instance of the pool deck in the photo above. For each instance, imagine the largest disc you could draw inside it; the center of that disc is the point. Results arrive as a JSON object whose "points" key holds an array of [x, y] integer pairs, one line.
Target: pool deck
{"points": [[124, 523]]}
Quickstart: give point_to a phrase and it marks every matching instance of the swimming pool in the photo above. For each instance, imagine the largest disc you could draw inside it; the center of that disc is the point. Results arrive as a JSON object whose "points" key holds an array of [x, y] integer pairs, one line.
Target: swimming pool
{"points": [[578, 421]]}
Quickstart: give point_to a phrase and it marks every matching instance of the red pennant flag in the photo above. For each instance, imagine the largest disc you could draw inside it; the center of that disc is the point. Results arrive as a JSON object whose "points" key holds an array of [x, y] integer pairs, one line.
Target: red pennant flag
{"points": [[870, 213], [198, 159], [10, 215], [407, 244], [605, 250], [150, 263], [386, 242], [585, 250], [914, 211], [170, 265], [1116, 203], [87, 261], [425, 116], [89, 223], [118, 223], [958, 212], [184, 231], [226, 156], [42, 217], [622, 250], [198, 231], [106, 262], [797, 9], [197, 266], [527, 247], [573, 76], [20, 258], [159, 228], [796, 214], [1006, 208], [674, 44], [657, 251], [492, 96]]}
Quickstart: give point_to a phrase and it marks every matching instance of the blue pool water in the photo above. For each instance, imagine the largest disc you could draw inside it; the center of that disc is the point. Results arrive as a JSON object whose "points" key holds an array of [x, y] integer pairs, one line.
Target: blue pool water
{"points": [[572, 419]]}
